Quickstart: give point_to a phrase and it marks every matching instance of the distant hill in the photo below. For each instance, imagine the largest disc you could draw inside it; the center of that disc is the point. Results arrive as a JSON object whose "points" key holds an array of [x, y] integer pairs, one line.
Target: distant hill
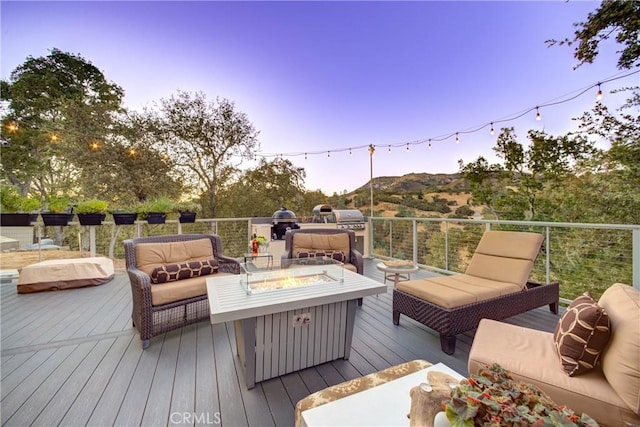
{"points": [[420, 194], [418, 182]]}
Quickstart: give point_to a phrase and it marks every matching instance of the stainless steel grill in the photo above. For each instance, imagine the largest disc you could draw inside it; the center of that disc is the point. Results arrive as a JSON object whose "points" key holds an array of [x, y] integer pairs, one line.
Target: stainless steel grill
{"points": [[349, 218]]}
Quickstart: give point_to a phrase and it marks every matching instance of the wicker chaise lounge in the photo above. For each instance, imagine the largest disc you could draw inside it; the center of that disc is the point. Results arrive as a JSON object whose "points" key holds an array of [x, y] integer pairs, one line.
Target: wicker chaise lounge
{"points": [[494, 286]]}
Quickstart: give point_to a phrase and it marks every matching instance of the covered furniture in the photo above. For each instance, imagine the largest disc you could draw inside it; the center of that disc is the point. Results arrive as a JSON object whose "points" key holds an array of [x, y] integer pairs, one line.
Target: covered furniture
{"points": [[56, 274], [324, 242], [168, 280], [495, 286], [609, 392]]}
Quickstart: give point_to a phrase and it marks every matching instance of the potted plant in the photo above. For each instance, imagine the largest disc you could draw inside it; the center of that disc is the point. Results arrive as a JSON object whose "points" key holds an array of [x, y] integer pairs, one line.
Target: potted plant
{"points": [[15, 210], [493, 397], [187, 211], [91, 212], [58, 211], [155, 210]]}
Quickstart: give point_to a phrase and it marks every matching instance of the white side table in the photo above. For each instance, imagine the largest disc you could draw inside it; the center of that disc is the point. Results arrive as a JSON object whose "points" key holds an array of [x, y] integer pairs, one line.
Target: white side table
{"points": [[397, 273]]}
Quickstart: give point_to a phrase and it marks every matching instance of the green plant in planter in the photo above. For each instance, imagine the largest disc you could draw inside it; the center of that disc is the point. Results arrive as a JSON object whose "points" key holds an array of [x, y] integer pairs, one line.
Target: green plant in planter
{"points": [[58, 204], [181, 207], [10, 199], [156, 206], [91, 212], [30, 204], [16, 210], [92, 206], [494, 398]]}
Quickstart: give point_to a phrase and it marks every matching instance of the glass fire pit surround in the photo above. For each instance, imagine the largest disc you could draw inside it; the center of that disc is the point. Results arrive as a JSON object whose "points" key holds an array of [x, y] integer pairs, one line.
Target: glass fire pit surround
{"points": [[295, 273]]}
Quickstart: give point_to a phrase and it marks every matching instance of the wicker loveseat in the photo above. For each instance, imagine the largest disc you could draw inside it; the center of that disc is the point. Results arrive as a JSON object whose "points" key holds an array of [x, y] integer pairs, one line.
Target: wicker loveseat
{"points": [[168, 280], [324, 242], [494, 286]]}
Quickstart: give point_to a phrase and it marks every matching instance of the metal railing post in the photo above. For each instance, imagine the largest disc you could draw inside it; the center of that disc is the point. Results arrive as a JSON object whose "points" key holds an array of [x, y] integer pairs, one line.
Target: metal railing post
{"points": [[547, 261], [415, 242], [635, 257], [390, 239]]}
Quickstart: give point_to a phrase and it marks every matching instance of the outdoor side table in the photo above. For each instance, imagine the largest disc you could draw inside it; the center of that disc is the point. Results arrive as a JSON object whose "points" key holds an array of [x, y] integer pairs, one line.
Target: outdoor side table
{"points": [[397, 273]]}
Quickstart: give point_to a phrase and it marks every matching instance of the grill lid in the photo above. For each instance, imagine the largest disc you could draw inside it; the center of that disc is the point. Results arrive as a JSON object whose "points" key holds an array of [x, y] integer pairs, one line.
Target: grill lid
{"points": [[283, 215], [346, 216]]}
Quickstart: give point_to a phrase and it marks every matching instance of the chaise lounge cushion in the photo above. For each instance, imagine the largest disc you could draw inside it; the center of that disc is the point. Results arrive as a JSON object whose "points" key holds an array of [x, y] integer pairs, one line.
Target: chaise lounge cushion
{"points": [[621, 358], [581, 335], [456, 291]]}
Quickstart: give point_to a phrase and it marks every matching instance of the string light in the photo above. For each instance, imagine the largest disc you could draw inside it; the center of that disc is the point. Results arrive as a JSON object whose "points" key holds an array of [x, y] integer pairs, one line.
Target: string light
{"points": [[429, 143], [372, 149], [389, 148], [12, 127], [407, 146], [94, 146], [305, 156], [491, 132], [538, 117], [53, 137], [132, 152], [457, 138], [328, 153], [599, 94], [349, 150]]}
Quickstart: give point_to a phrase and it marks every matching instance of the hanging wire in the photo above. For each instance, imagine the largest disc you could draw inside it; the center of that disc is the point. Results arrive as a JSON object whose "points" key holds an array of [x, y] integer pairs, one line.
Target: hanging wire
{"points": [[439, 138]]}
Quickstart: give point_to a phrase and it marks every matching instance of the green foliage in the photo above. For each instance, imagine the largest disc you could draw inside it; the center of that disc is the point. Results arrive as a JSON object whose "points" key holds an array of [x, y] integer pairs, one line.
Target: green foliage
{"points": [[186, 206], [464, 211], [57, 204], [92, 206], [493, 397], [10, 199], [157, 204], [617, 17]]}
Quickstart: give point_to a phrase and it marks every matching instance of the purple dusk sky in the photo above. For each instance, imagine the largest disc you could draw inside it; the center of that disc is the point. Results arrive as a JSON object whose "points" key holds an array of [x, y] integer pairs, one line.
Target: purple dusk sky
{"points": [[327, 76]]}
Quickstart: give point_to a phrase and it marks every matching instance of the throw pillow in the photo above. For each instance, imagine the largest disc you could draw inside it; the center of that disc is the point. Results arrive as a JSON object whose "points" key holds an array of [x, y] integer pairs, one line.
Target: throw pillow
{"points": [[172, 272], [581, 334], [322, 253]]}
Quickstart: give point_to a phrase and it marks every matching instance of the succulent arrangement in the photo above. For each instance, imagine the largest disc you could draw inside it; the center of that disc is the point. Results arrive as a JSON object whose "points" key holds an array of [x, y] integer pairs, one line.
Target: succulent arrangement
{"points": [[494, 398]]}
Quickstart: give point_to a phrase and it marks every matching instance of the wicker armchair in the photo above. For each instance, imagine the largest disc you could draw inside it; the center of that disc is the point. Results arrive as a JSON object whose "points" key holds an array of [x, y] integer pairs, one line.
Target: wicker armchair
{"points": [[153, 320], [353, 258]]}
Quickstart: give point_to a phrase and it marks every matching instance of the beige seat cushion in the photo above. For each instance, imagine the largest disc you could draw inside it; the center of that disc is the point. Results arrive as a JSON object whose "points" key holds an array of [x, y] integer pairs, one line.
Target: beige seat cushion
{"points": [[531, 356], [164, 293], [455, 291], [621, 358]]}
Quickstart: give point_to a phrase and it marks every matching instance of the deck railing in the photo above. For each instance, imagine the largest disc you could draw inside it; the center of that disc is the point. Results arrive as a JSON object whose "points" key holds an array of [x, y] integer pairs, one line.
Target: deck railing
{"points": [[580, 256]]}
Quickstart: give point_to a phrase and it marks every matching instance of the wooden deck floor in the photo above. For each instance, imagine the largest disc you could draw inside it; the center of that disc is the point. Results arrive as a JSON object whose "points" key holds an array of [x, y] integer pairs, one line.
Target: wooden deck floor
{"points": [[71, 358]]}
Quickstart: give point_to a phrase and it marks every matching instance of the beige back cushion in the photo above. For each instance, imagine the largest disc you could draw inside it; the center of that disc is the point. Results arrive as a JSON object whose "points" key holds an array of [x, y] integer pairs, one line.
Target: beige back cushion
{"points": [[302, 242], [152, 255], [505, 256], [621, 358]]}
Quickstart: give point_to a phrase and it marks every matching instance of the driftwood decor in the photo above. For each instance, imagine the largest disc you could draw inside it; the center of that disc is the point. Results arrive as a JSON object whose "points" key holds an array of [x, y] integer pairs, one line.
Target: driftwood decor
{"points": [[427, 398]]}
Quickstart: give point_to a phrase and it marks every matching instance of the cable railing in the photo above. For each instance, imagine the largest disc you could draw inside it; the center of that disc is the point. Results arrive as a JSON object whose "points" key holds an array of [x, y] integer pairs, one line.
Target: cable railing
{"points": [[579, 256]]}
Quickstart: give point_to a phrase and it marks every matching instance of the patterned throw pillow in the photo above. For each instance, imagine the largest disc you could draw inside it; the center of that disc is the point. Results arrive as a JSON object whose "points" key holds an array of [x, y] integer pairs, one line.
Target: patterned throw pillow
{"points": [[581, 334], [322, 253], [173, 272]]}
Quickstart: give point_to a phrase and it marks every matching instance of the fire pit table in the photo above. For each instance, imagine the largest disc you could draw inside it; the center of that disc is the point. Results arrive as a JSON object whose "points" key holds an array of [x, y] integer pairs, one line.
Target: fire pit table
{"points": [[291, 318]]}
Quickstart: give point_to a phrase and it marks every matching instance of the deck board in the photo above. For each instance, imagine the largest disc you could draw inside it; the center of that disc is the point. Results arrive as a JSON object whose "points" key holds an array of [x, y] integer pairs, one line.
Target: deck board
{"points": [[73, 358]]}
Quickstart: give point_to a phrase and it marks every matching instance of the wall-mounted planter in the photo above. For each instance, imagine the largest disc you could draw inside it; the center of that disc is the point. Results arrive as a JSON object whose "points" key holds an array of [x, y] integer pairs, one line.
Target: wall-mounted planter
{"points": [[187, 217], [53, 219], [125, 218], [91, 218], [15, 219], [156, 217]]}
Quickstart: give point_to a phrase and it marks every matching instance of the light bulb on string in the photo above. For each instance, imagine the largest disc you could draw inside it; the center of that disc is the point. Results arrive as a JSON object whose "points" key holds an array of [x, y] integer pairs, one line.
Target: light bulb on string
{"points": [[407, 146], [305, 156], [599, 94], [457, 138], [491, 131], [389, 148], [94, 146], [53, 137], [328, 153], [349, 150], [538, 116], [429, 146]]}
